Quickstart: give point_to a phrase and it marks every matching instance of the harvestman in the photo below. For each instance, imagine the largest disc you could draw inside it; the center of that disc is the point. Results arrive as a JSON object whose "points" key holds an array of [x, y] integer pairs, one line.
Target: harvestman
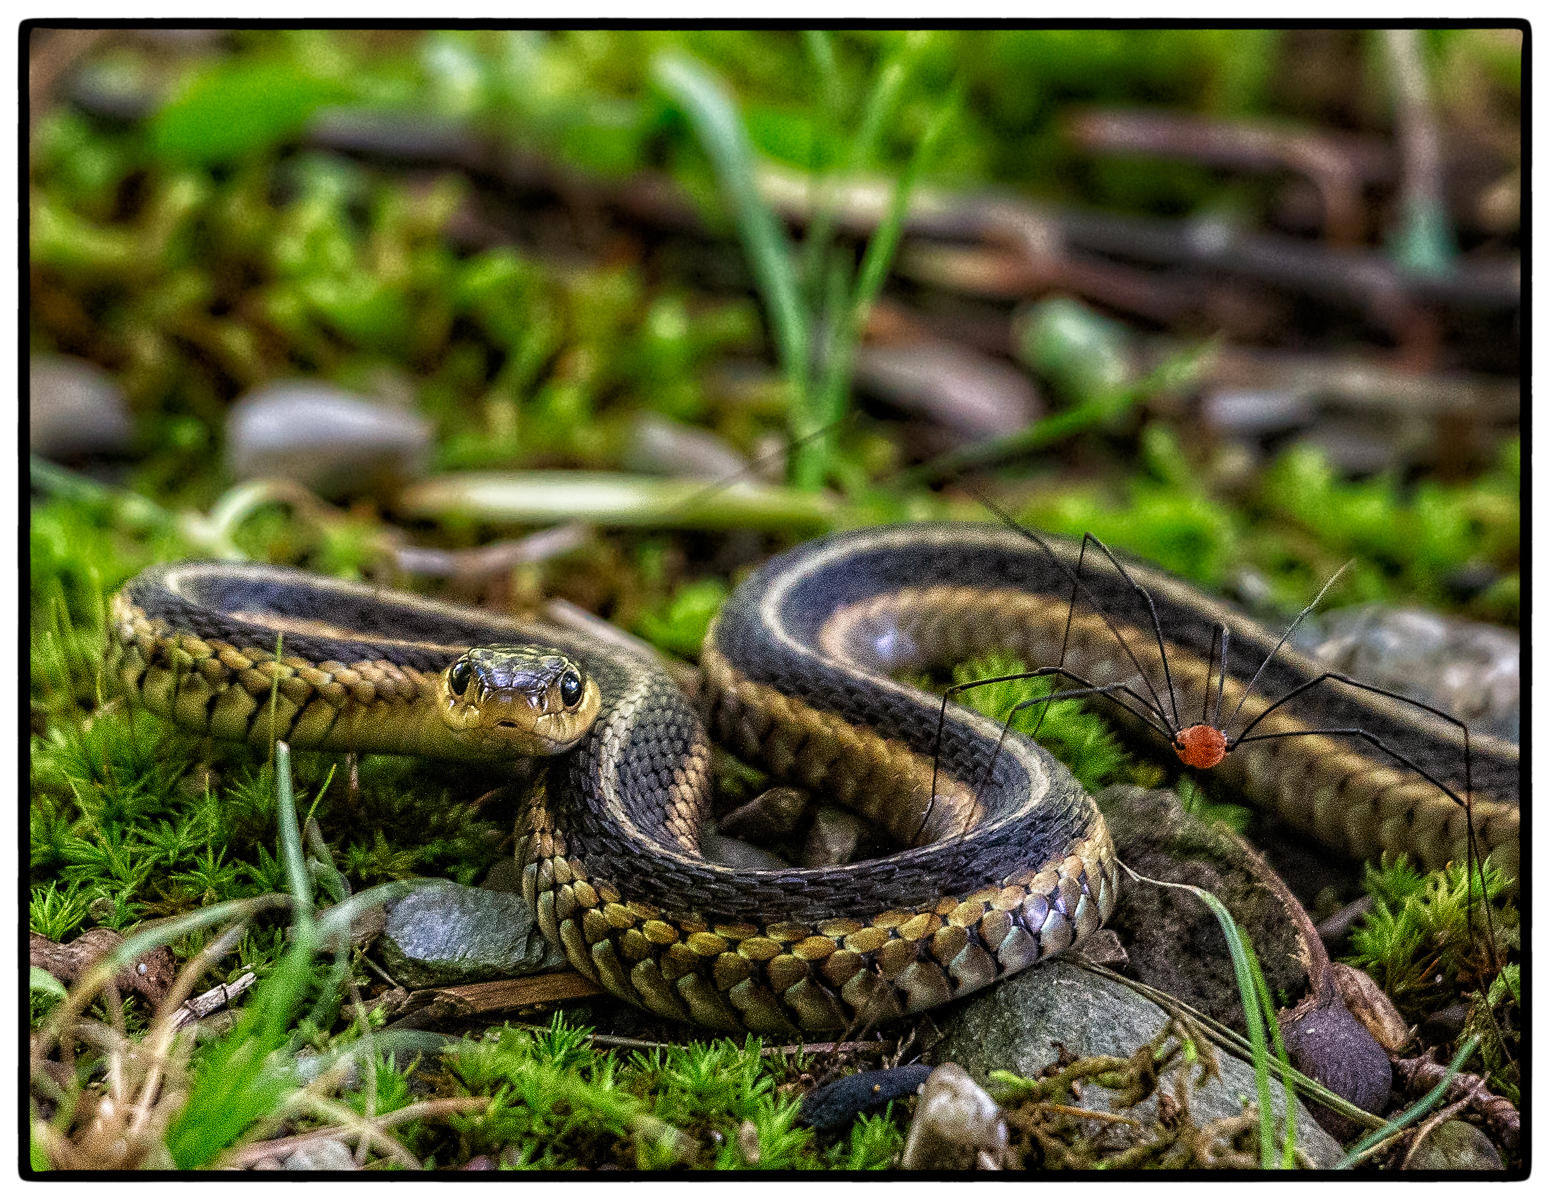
{"points": [[1205, 744]]}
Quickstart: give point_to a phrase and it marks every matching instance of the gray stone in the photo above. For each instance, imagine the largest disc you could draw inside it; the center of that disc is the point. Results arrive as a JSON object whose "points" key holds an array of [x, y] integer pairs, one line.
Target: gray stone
{"points": [[952, 384], [326, 1155], [1454, 1146], [738, 854], [445, 933], [75, 409], [333, 441], [831, 839], [1466, 668], [957, 1126], [1021, 1025]]}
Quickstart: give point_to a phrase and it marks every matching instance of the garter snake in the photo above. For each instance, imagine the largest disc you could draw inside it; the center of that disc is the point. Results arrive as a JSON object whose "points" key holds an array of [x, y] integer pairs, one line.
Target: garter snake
{"points": [[1007, 864]]}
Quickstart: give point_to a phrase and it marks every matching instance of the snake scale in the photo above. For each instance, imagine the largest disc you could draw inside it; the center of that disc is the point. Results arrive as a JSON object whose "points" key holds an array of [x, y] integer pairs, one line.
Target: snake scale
{"points": [[1008, 863]]}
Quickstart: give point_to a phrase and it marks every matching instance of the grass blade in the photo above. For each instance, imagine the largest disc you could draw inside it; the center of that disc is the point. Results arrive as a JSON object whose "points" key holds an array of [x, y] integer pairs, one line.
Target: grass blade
{"points": [[719, 128]]}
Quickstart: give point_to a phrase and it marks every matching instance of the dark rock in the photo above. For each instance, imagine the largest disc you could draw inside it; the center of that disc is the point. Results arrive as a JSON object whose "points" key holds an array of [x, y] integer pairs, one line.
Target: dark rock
{"points": [[1023, 1024], [957, 1126], [445, 933], [75, 410], [831, 839], [834, 1106], [333, 441], [768, 817], [1328, 1044], [1454, 1146]]}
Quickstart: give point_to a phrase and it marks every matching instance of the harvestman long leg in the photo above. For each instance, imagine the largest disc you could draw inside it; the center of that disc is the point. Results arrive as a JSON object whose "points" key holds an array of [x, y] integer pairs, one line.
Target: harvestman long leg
{"points": [[1154, 718], [1077, 585], [1472, 845]]}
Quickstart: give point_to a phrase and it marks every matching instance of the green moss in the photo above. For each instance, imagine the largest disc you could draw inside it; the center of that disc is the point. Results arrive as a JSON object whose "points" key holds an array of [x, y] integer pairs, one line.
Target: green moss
{"points": [[1072, 730], [1427, 943]]}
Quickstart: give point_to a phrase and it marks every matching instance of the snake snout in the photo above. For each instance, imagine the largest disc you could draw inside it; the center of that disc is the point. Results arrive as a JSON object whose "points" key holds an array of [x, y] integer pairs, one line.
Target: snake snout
{"points": [[523, 699]]}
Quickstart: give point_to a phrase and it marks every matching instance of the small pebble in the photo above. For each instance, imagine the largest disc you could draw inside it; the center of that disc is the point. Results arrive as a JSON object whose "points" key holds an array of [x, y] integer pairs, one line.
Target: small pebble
{"points": [[832, 838], [663, 447], [953, 385], [75, 410], [1330, 1045], [1235, 412], [836, 1105], [335, 442], [957, 1126], [748, 1143], [1454, 1146], [327, 1155]]}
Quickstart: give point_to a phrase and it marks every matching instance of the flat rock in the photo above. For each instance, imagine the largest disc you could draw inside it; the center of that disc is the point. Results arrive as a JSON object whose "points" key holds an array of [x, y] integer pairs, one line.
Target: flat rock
{"points": [[738, 854], [1466, 668], [1022, 1024], [444, 933], [953, 385], [76, 410], [335, 442]]}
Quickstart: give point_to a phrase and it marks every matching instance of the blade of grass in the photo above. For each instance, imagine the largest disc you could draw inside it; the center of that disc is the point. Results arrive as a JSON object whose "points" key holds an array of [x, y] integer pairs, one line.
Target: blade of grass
{"points": [[1254, 1008], [291, 856], [876, 261], [815, 244], [719, 128]]}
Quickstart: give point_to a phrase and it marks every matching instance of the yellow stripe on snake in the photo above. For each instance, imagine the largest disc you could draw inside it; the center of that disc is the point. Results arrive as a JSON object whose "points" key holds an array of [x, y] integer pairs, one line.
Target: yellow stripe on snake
{"points": [[1007, 864]]}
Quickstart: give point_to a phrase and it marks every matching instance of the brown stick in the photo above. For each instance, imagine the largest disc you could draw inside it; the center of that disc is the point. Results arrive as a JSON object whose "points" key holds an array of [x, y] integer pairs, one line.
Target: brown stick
{"points": [[1338, 166], [1416, 1076]]}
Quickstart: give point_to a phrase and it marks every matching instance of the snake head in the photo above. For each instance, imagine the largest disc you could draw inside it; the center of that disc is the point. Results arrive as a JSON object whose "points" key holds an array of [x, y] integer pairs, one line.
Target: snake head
{"points": [[523, 699]]}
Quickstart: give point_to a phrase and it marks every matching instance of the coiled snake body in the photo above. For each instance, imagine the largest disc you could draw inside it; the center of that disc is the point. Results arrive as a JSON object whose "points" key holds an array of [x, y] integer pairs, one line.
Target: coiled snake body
{"points": [[1008, 864]]}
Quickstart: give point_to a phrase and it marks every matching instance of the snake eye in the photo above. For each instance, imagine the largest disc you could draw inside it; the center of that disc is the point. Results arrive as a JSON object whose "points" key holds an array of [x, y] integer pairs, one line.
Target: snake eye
{"points": [[459, 675], [570, 688]]}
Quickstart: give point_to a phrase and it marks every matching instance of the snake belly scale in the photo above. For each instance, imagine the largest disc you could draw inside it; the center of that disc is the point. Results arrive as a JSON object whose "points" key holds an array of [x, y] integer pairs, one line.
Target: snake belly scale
{"points": [[1007, 864]]}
